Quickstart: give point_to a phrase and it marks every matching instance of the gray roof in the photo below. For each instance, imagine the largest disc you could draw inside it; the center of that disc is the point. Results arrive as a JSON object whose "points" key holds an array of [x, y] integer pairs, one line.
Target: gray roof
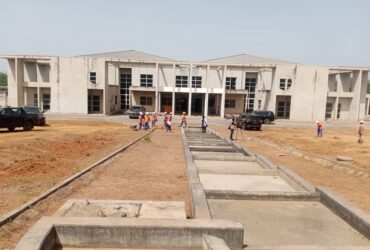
{"points": [[130, 55], [248, 59]]}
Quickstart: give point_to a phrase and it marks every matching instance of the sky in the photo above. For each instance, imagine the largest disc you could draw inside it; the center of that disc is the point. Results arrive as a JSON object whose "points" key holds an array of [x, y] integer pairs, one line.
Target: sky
{"points": [[313, 32]]}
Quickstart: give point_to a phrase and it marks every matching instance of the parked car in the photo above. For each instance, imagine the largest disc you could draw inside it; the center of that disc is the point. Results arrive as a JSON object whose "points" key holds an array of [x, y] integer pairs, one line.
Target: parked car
{"points": [[135, 111], [37, 116], [249, 121], [267, 116], [12, 118]]}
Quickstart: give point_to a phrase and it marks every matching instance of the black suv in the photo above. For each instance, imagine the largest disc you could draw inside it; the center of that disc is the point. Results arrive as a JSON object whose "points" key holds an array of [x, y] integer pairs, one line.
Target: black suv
{"points": [[249, 121], [12, 118], [36, 115], [267, 116]]}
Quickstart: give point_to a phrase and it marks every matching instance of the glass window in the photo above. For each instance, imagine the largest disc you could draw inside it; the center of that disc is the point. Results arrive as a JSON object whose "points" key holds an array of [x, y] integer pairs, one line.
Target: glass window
{"points": [[93, 77], [182, 81], [230, 103], [35, 100], [125, 83], [250, 84], [146, 100], [285, 83], [146, 80], [230, 82], [196, 82]]}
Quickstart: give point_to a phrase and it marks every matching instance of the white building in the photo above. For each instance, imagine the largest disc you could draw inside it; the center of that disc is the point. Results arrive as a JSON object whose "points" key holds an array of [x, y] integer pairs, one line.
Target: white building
{"points": [[112, 82]]}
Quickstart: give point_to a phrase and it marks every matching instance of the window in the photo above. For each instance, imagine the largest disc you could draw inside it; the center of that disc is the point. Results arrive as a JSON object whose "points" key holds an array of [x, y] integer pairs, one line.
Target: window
{"points": [[35, 100], [182, 81], [230, 82], [285, 84], [250, 86], [93, 103], [146, 100], [196, 82], [93, 77], [259, 104], [115, 100], [338, 110], [368, 88], [146, 80], [230, 103], [46, 101], [125, 83], [328, 110]]}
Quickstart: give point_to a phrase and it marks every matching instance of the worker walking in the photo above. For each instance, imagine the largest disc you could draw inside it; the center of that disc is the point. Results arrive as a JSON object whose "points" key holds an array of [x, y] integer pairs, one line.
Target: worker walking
{"points": [[140, 124], [360, 132], [204, 124], [154, 119], [146, 121], [319, 128], [183, 120]]}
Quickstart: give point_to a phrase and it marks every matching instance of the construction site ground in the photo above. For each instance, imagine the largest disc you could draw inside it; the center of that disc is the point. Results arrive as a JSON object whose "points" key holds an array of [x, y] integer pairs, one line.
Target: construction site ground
{"points": [[272, 141], [151, 169]]}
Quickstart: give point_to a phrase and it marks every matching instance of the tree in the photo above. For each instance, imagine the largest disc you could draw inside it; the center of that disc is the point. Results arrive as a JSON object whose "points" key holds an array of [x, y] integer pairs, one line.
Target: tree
{"points": [[3, 79]]}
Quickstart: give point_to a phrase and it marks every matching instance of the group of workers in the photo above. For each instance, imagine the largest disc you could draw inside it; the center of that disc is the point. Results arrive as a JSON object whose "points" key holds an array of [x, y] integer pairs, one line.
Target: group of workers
{"points": [[145, 118], [360, 130]]}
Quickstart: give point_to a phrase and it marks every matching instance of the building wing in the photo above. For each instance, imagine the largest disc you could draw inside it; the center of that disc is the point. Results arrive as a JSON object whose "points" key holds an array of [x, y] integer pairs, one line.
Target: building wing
{"points": [[133, 55], [247, 59]]}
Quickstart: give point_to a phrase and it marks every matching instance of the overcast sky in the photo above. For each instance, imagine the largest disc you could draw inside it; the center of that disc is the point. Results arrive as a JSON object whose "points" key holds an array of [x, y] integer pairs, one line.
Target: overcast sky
{"points": [[324, 32]]}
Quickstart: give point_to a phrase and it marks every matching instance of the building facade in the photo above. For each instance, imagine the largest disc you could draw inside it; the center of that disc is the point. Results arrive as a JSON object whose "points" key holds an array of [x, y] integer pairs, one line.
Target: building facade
{"points": [[109, 83]]}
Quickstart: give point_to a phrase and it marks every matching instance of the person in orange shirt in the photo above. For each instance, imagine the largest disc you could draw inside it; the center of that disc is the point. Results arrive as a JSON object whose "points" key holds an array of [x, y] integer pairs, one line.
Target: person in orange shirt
{"points": [[183, 120], [146, 121], [319, 128]]}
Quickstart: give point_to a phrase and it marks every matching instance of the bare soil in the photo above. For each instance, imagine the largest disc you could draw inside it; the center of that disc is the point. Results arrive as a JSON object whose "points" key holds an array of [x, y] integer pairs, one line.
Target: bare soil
{"points": [[152, 169], [335, 142], [31, 162]]}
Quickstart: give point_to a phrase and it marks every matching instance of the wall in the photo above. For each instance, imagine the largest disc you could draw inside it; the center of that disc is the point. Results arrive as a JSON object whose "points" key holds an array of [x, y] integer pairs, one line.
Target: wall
{"points": [[239, 104], [136, 99]]}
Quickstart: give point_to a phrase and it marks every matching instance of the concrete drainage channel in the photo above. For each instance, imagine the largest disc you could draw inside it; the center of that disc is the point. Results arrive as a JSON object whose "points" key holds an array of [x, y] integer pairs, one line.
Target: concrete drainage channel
{"points": [[278, 209], [240, 200]]}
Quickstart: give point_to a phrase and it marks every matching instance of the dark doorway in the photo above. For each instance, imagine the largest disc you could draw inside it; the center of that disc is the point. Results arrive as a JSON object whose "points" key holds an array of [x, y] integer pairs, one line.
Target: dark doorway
{"points": [[197, 101], [283, 107], [181, 103]]}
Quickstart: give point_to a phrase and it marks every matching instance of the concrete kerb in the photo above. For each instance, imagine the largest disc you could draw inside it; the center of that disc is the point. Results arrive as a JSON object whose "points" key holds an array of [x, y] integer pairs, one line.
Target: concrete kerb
{"points": [[350, 213], [271, 196], [49, 232], [294, 180], [200, 209], [16, 212], [264, 162], [213, 243]]}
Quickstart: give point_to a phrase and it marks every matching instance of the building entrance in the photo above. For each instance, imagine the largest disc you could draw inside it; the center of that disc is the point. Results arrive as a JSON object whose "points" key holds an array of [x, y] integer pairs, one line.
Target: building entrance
{"points": [[181, 103], [197, 106], [283, 107]]}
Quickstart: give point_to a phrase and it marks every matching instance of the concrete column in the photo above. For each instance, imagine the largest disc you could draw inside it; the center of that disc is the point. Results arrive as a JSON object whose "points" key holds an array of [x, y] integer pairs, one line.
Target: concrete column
{"points": [[206, 95], [156, 87], [223, 93], [39, 98], [173, 101], [159, 102], [25, 101], [190, 87], [335, 111], [367, 105]]}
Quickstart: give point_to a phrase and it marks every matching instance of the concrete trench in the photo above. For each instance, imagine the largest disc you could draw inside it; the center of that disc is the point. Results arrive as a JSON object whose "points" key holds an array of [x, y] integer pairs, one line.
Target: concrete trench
{"points": [[278, 209]]}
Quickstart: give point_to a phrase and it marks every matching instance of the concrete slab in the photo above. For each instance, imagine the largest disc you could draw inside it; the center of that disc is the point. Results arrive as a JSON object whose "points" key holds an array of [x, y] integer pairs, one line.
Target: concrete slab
{"points": [[220, 156], [228, 167], [221, 143], [270, 224], [289, 225], [123, 209], [206, 148], [248, 183]]}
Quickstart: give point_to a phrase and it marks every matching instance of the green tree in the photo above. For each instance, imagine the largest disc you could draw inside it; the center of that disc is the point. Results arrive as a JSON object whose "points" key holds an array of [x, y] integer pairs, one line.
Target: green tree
{"points": [[3, 79]]}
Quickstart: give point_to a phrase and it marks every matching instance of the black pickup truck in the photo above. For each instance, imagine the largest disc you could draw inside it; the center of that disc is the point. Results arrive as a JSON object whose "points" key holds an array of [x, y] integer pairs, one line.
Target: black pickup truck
{"points": [[12, 118]]}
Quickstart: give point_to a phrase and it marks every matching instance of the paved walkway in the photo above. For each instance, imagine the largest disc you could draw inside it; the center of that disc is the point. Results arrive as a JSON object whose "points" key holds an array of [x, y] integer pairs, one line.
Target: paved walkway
{"points": [[239, 189]]}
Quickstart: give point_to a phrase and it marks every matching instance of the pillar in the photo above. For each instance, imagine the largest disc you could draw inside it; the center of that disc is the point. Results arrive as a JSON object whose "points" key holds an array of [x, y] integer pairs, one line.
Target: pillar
{"points": [[159, 102], [156, 104], [223, 93], [39, 98], [190, 86], [335, 111], [25, 101], [206, 95], [173, 101]]}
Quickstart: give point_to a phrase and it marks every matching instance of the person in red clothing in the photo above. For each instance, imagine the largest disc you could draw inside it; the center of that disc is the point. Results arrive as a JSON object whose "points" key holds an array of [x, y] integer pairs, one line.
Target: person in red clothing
{"points": [[154, 119], [183, 120], [361, 131], [319, 128]]}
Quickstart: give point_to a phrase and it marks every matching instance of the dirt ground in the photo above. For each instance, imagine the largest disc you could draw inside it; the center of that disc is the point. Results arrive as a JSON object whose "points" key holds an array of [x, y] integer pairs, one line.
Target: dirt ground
{"points": [[335, 142], [152, 169], [31, 162]]}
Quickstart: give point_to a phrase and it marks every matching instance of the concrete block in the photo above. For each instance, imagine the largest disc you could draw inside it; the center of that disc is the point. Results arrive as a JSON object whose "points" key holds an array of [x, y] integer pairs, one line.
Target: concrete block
{"points": [[221, 156], [213, 243], [206, 148], [264, 162], [199, 202], [128, 233], [350, 213], [248, 183], [231, 167], [268, 196]]}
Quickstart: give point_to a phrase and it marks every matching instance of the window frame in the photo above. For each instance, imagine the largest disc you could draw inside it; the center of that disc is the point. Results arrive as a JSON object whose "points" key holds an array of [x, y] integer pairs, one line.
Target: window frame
{"points": [[230, 83], [92, 77], [196, 82], [146, 100], [230, 103], [146, 80], [181, 81]]}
